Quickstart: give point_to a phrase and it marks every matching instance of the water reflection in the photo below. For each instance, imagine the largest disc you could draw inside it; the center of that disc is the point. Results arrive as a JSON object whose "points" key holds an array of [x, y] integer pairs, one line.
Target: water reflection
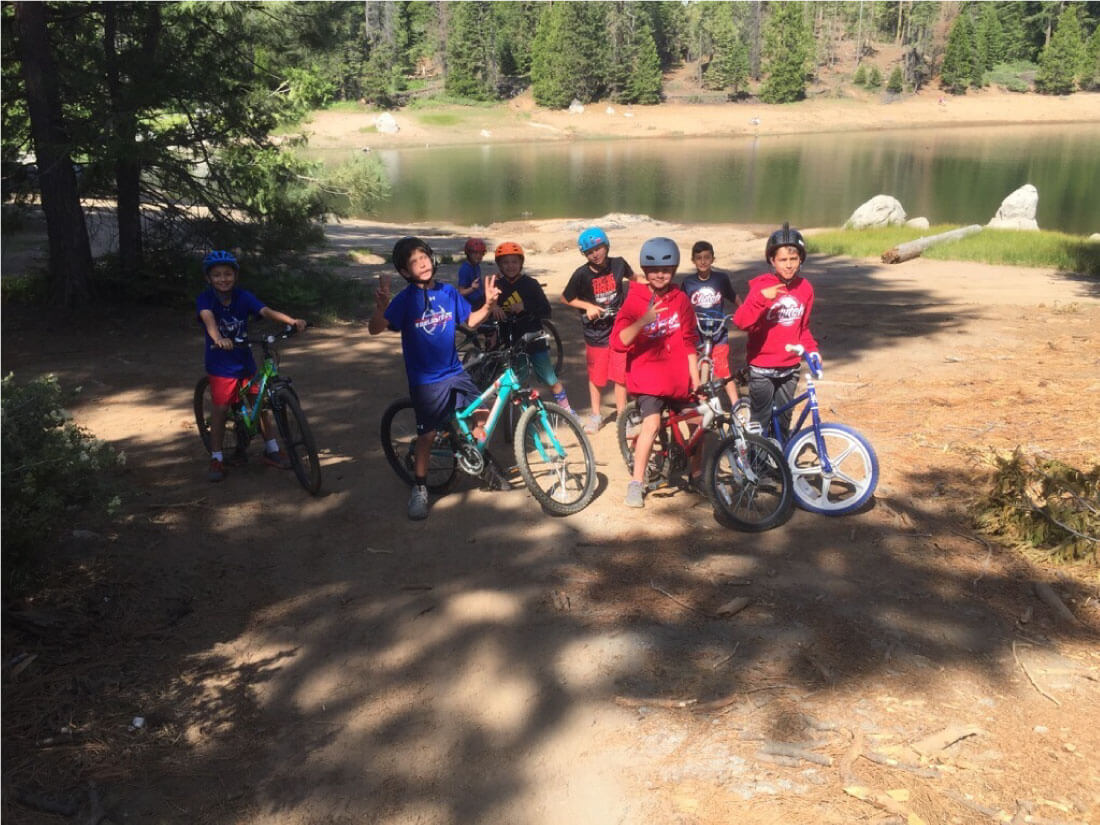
{"points": [[948, 175]]}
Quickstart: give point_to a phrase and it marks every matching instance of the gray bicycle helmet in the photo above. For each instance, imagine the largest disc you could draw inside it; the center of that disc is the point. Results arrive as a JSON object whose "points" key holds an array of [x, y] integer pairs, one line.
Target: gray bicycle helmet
{"points": [[785, 237], [660, 252]]}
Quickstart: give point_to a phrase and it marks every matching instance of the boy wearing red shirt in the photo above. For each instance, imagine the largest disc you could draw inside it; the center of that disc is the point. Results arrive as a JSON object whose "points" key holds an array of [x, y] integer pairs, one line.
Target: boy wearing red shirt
{"points": [[656, 330], [777, 313]]}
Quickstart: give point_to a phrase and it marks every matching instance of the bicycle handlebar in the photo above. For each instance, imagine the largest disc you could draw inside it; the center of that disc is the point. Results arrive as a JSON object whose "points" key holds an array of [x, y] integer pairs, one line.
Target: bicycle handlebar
{"points": [[710, 326], [289, 331], [812, 359]]}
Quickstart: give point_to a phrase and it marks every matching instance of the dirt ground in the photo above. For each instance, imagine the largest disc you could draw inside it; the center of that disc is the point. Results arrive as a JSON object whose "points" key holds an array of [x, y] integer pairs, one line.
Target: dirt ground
{"points": [[303, 660]]}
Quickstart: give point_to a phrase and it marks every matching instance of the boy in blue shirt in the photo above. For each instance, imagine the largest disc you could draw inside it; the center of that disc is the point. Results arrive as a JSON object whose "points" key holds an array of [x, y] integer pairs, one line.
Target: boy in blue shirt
{"points": [[469, 273], [425, 313], [224, 310]]}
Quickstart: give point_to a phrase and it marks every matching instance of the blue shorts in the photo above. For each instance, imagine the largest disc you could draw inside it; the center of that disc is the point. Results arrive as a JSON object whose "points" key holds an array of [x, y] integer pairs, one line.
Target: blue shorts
{"points": [[436, 403]]}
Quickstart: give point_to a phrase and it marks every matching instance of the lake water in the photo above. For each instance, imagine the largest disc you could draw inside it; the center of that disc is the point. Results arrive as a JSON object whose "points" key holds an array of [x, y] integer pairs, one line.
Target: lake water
{"points": [[957, 175]]}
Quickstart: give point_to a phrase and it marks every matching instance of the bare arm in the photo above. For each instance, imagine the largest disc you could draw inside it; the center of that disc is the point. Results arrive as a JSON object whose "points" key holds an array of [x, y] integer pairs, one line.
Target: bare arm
{"points": [[282, 318], [208, 321]]}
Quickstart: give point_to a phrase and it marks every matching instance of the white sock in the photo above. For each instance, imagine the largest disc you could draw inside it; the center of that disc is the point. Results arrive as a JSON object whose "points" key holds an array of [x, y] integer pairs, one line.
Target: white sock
{"points": [[217, 456], [271, 445]]}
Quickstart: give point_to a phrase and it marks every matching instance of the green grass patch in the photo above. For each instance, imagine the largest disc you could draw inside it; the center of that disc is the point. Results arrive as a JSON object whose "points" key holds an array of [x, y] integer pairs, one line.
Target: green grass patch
{"points": [[441, 100], [1054, 250], [439, 118], [1015, 77], [349, 106]]}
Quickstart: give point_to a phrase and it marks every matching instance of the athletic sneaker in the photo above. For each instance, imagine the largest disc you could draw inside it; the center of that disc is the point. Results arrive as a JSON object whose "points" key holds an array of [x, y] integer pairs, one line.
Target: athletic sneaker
{"points": [[216, 471], [418, 503], [277, 459], [635, 494], [592, 424]]}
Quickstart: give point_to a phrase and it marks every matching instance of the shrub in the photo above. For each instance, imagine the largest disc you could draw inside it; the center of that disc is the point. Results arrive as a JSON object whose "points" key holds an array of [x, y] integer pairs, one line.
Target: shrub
{"points": [[874, 78], [54, 472], [894, 85], [860, 77], [1044, 504]]}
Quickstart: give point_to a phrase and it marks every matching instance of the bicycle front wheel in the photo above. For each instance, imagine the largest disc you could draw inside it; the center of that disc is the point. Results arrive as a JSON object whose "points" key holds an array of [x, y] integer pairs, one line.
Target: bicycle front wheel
{"points": [[750, 483], [398, 433], [557, 355], [297, 439], [235, 440], [854, 474], [555, 459]]}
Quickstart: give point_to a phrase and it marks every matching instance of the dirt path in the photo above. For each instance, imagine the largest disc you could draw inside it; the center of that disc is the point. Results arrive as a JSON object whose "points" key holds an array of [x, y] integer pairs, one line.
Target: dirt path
{"points": [[324, 660]]}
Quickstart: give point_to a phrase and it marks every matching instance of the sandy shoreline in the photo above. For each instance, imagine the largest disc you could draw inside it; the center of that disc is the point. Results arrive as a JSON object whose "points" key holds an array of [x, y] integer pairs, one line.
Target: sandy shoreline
{"points": [[520, 120]]}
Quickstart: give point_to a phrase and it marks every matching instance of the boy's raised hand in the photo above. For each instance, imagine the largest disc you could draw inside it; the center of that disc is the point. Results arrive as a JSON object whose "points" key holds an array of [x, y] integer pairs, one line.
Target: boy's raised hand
{"points": [[772, 292], [491, 290], [383, 293], [650, 314]]}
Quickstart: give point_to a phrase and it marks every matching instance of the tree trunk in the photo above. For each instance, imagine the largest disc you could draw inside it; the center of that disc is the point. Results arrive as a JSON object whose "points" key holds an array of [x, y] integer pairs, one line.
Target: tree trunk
{"points": [[70, 250], [127, 166], [907, 251], [754, 38]]}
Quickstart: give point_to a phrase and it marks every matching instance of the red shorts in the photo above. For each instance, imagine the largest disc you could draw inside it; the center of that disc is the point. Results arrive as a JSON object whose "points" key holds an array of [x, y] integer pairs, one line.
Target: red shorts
{"points": [[223, 391], [605, 364], [720, 355]]}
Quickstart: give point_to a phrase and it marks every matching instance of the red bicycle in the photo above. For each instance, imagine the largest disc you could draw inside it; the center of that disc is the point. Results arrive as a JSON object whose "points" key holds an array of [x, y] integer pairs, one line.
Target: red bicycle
{"points": [[746, 478]]}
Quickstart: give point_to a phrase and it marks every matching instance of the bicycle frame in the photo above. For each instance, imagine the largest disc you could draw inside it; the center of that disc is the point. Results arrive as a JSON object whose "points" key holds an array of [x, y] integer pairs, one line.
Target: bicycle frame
{"points": [[810, 409]]}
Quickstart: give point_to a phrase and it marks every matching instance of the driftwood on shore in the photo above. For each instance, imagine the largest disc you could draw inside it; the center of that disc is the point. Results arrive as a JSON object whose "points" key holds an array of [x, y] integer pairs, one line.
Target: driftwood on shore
{"points": [[913, 249]]}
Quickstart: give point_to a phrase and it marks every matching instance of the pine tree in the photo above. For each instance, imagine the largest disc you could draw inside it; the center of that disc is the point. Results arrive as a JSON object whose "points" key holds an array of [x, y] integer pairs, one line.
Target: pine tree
{"points": [[1017, 44], [472, 69], [894, 85], [958, 58], [729, 64], [1060, 62], [860, 77], [566, 61], [874, 78], [785, 39], [643, 84], [991, 37], [1091, 75]]}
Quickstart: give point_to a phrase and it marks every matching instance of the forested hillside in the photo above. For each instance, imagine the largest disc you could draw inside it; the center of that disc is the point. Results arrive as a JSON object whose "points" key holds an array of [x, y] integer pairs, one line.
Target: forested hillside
{"points": [[166, 109]]}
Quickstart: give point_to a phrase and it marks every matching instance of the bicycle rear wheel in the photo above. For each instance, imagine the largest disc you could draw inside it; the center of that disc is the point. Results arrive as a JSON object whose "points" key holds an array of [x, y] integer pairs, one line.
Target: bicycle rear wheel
{"points": [[853, 478], [235, 441], [555, 459], [398, 434], [626, 431], [750, 489], [297, 438]]}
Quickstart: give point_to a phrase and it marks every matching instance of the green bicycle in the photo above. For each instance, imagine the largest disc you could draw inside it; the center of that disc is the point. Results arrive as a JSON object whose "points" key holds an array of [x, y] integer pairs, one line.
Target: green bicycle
{"points": [[553, 454], [243, 422]]}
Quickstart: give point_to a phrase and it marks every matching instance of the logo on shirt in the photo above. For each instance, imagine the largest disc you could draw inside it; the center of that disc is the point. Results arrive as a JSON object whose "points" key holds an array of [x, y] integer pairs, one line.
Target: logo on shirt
{"points": [[706, 298], [662, 327], [434, 319], [786, 312], [604, 289]]}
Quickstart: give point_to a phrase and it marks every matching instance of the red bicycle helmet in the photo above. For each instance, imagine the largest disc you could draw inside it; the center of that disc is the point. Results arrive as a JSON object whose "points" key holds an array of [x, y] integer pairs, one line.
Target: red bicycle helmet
{"points": [[475, 245], [508, 248]]}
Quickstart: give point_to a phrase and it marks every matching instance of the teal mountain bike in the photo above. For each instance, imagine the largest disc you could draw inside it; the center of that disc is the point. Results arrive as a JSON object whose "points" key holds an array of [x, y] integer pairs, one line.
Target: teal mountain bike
{"points": [[243, 421], [552, 452]]}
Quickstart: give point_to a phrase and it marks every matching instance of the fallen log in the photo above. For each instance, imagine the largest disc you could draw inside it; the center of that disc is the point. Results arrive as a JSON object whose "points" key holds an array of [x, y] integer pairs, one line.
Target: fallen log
{"points": [[913, 249]]}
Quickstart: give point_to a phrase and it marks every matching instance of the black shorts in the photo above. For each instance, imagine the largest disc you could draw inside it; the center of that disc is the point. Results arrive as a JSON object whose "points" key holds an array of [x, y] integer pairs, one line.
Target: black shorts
{"points": [[653, 404]]}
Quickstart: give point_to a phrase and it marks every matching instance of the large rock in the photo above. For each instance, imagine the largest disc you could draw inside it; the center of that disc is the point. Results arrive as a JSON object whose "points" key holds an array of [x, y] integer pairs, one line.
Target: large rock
{"points": [[576, 107], [1018, 210], [1095, 237], [881, 210], [385, 124], [918, 223]]}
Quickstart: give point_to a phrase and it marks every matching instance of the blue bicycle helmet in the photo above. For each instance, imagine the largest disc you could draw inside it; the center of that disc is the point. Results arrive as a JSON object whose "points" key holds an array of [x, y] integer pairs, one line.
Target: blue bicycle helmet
{"points": [[592, 237], [219, 256], [660, 252]]}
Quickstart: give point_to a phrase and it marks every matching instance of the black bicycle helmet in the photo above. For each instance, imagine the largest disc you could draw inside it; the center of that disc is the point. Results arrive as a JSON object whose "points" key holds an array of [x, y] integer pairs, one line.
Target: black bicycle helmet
{"points": [[403, 250], [660, 252], [785, 237]]}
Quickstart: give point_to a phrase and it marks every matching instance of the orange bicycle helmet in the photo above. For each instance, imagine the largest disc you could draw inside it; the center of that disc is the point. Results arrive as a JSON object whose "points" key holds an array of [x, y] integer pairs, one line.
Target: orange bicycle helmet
{"points": [[508, 248]]}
